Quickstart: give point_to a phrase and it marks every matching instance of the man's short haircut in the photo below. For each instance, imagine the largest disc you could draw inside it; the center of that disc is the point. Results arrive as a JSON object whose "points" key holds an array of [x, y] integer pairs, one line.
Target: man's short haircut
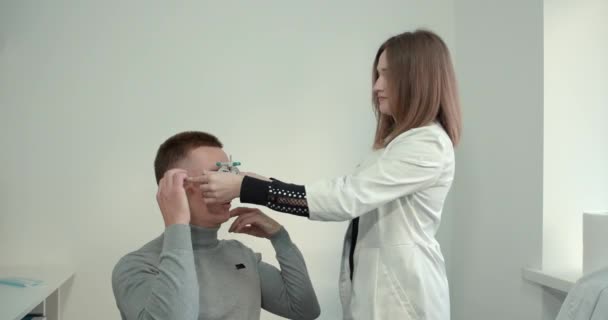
{"points": [[177, 147]]}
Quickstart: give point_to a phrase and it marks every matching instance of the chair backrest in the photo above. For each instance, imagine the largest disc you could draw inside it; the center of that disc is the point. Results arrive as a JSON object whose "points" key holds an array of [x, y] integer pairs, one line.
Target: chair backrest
{"points": [[588, 298]]}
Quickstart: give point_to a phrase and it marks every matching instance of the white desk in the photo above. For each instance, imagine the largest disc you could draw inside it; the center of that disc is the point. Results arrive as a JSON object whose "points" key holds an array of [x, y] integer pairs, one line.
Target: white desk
{"points": [[16, 302]]}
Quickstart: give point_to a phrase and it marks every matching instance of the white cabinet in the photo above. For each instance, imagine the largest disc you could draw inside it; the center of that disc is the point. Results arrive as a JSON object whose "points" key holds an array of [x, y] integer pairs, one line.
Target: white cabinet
{"points": [[45, 299]]}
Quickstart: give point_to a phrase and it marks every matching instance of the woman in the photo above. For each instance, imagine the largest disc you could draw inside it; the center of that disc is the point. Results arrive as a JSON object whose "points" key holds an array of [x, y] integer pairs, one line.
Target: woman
{"points": [[392, 265]]}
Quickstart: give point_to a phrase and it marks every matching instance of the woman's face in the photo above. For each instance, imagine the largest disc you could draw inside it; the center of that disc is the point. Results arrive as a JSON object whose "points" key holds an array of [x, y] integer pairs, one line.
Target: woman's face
{"points": [[380, 87]]}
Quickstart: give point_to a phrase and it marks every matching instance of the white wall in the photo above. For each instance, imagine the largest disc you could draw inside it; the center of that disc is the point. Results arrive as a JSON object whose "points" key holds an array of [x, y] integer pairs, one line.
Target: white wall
{"points": [[88, 91], [575, 130], [497, 200]]}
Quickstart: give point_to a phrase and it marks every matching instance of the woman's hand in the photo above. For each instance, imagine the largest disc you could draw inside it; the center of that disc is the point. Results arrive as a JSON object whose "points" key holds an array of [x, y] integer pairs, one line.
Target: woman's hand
{"points": [[253, 222], [218, 187]]}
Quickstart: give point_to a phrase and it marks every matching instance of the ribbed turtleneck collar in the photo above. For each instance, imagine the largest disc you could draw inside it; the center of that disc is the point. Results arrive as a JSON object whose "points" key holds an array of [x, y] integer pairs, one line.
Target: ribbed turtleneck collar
{"points": [[203, 237]]}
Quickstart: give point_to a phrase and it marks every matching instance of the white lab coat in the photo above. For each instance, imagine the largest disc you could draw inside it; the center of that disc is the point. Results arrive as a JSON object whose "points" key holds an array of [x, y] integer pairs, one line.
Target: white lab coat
{"points": [[398, 192]]}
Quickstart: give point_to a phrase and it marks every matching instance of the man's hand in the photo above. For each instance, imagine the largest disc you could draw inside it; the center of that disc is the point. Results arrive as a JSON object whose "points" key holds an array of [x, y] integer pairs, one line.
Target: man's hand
{"points": [[218, 187], [172, 199], [253, 222]]}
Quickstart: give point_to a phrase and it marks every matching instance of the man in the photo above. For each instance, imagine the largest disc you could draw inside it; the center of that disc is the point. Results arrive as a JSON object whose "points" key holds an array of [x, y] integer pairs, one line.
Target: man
{"points": [[187, 273]]}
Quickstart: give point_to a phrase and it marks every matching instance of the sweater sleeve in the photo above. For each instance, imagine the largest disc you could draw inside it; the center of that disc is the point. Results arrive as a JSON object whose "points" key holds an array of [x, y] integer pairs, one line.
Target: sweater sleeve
{"points": [[288, 292], [145, 289]]}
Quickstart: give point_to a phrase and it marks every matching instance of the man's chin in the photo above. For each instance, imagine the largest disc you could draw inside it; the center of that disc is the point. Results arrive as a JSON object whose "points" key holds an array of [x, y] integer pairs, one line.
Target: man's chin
{"points": [[214, 214], [220, 215], [221, 218]]}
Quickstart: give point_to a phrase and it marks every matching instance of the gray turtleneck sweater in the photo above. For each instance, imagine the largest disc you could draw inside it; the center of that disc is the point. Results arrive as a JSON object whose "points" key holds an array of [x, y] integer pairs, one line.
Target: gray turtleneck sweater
{"points": [[188, 274]]}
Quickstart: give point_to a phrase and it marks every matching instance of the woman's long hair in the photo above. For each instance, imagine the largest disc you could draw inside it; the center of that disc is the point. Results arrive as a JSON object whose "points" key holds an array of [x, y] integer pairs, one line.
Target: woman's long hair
{"points": [[421, 84]]}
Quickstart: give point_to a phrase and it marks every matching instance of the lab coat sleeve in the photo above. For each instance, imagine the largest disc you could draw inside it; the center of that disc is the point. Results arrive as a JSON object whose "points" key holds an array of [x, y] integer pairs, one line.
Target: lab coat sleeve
{"points": [[411, 162]]}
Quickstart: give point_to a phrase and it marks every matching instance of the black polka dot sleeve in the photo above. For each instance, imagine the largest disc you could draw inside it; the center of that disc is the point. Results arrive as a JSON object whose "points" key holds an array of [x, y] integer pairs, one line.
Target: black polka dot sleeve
{"points": [[276, 195]]}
